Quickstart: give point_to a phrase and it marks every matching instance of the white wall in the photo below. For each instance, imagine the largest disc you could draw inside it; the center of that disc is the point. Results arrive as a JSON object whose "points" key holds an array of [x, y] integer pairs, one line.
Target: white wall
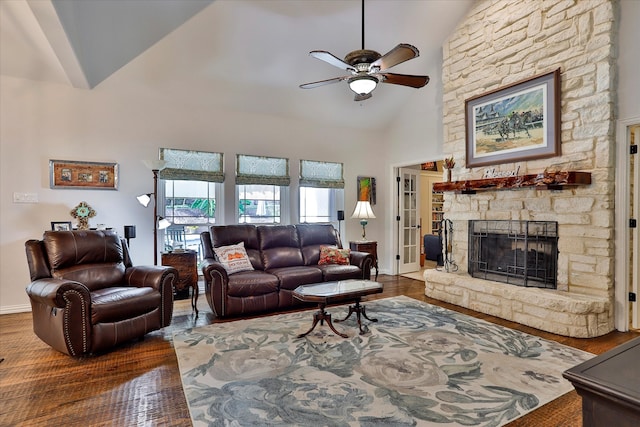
{"points": [[42, 121]]}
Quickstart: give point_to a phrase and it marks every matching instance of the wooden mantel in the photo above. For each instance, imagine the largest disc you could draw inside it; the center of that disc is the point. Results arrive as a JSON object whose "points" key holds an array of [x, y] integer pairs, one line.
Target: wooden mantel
{"points": [[545, 180]]}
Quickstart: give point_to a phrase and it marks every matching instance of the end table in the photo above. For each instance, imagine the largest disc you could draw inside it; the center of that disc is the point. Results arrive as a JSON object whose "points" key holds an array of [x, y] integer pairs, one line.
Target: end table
{"points": [[187, 265], [369, 246]]}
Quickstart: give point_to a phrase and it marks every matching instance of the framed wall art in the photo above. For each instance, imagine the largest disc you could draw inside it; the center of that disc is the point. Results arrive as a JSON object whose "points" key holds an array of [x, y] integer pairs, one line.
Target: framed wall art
{"points": [[429, 166], [61, 225], [514, 123], [83, 175], [367, 189]]}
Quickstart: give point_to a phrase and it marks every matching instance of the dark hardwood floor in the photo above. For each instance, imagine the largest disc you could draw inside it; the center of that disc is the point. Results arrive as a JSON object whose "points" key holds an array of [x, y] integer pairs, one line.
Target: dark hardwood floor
{"points": [[138, 384]]}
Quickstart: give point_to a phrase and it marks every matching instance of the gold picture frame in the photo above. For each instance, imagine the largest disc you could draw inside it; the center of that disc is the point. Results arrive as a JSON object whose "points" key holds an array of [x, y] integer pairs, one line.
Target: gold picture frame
{"points": [[83, 175]]}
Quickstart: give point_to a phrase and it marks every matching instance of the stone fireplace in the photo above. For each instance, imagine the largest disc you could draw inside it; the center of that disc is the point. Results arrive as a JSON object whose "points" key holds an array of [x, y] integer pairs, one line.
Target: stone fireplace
{"points": [[521, 253], [500, 43]]}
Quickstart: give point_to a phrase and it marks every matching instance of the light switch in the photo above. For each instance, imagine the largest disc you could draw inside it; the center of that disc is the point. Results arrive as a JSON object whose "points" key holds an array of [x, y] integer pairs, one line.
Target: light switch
{"points": [[25, 197]]}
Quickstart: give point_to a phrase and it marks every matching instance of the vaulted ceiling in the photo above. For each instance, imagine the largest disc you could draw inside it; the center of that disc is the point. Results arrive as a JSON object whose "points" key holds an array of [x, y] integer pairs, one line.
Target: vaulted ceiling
{"points": [[242, 55]]}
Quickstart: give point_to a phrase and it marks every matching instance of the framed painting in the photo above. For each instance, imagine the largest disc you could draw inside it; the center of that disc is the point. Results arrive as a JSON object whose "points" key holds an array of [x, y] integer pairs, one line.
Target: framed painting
{"points": [[367, 189], [83, 175], [61, 225], [514, 123], [429, 166]]}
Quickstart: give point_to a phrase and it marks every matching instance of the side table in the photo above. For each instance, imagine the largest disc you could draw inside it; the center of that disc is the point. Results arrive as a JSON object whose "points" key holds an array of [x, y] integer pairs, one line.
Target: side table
{"points": [[369, 246], [187, 265], [609, 387]]}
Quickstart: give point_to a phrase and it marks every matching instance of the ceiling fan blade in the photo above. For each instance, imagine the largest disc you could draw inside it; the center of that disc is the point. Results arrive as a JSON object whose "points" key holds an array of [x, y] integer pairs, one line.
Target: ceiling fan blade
{"points": [[404, 79], [362, 96], [323, 82], [399, 54], [325, 56]]}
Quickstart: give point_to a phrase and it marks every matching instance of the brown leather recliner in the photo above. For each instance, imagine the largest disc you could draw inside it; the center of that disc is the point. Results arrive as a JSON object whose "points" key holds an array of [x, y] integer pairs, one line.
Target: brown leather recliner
{"points": [[87, 297]]}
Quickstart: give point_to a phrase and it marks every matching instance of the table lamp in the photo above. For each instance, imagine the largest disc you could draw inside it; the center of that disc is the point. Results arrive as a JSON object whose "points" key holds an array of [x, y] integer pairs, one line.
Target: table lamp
{"points": [[364, 212]]}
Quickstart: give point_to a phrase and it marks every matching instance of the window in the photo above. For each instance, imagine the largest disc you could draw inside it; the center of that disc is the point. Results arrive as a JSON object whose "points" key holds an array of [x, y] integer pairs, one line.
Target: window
{"points": [[321, 190], [190, 206], [259, 204], [191, 181], [261, 184]]}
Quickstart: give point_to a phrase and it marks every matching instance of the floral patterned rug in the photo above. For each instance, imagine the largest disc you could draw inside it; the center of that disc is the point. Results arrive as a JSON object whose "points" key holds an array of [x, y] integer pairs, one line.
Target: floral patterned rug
{"points": [[419, 365]]}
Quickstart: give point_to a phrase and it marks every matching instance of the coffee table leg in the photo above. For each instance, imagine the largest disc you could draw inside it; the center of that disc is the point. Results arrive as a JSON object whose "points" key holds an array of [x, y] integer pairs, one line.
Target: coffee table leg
{"points": [[321, 316], [358, 309]]}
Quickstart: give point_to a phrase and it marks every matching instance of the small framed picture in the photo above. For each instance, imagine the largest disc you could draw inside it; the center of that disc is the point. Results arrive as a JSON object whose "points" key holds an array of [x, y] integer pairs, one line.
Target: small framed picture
{"points": [[83, 175], [61, 225]]}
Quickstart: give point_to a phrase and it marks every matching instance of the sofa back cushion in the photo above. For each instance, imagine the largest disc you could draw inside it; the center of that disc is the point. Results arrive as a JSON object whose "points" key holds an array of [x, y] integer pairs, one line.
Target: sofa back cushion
{"points": [[226, 235], [279, 246], [312, 237], [93, 258]]}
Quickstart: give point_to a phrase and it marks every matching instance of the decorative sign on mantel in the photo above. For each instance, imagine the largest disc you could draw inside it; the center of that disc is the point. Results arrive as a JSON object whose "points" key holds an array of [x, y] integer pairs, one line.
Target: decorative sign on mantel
{"points": [[493, 173], [545, 180]]}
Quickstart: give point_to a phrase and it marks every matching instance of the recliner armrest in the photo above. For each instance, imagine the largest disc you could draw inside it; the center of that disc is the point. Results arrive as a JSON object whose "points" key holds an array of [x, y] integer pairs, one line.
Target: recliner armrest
{"points": [[149, 276], [50, 291]]}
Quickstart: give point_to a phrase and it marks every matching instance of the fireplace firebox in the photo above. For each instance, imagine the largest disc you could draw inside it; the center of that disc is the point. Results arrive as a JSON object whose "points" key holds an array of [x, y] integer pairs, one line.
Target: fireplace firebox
{"points": [[522, 253]]}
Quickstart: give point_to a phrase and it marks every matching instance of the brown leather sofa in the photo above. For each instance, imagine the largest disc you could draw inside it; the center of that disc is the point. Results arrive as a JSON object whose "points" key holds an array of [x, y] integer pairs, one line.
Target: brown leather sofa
{"points": [[87, 297], [283, 257]]}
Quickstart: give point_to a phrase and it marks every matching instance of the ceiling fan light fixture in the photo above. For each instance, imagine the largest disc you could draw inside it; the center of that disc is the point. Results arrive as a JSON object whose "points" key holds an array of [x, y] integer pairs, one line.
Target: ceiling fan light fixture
{"points": [[363, 85]]}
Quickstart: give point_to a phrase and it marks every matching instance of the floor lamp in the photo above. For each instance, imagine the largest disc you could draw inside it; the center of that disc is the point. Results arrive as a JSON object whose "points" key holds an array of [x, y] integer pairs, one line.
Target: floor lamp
{"points": [[144, 199]]}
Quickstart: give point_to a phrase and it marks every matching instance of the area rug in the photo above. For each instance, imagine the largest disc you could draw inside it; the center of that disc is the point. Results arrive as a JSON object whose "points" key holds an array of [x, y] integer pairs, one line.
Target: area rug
{"points": [[420, 364]]}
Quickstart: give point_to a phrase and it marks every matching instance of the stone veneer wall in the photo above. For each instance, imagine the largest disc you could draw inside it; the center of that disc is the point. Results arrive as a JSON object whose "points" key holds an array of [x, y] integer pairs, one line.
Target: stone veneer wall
{"points": [[504, 41]]}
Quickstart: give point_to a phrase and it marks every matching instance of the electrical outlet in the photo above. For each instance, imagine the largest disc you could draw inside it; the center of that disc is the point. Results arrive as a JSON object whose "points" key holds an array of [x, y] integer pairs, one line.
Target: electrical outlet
{"points": [[25, 197]]}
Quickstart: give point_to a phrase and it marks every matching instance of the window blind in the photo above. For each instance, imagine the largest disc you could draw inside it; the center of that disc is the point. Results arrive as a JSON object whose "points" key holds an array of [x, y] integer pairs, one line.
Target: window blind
{"points": [[191, 165], [262, 170], [321, 174]]}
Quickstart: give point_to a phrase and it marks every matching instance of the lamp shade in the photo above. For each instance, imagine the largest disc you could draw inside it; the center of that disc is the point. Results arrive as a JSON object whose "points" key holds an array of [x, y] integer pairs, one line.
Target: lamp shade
{"points": [[144, 199], [163, 223], [363, 85], [363, 210], [155, 164]]}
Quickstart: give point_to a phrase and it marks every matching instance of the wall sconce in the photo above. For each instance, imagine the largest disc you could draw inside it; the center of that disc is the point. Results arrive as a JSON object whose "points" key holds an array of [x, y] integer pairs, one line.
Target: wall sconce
{"points": [[144, 199], [364, 212]]}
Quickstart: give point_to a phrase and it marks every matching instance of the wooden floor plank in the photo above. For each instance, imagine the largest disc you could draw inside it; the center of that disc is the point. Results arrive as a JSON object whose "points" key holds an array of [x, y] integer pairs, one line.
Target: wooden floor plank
{"points": [[138, 384]]}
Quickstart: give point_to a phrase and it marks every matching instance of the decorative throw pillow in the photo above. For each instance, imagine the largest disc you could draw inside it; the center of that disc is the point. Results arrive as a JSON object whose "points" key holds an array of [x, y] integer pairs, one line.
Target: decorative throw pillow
{"points": [[334, 255], [233, 258]]}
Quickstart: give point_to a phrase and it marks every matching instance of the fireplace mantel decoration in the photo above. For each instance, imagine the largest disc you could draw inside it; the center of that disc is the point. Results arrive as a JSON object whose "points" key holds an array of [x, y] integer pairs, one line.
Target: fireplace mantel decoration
{"points": [[545, 180]]}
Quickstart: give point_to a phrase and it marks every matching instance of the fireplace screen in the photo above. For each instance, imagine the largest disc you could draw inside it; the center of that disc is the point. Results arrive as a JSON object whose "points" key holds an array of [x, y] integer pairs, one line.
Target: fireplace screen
{"points": [[522, 253]]}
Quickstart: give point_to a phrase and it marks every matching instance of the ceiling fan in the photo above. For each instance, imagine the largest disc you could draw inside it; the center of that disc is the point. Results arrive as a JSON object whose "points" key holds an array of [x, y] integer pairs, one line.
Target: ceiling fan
{"points": [[367, 68]]}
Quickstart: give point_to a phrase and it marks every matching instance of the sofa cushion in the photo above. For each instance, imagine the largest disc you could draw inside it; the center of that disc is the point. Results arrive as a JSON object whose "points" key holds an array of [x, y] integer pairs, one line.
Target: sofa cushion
{"points": [[225, 235], [252, 283], [332, 272], [117, 303], [292, 277], [93, 276], [233, 258], [279, 246], [312, 237], [334, 255]]}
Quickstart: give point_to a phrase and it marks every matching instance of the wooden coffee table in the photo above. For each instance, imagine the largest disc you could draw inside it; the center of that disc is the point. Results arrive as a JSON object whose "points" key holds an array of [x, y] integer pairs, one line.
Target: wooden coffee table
{"points": [[336, 292]]}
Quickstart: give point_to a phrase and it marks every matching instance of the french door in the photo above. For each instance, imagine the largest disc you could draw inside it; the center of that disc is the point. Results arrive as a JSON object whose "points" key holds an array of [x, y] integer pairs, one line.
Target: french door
{"points": [[408, 220]]}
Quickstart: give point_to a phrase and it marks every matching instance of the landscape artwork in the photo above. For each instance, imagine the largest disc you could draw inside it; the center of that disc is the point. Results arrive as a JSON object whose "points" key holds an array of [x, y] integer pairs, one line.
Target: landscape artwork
{"points": [[515, 123], [512, 123]]}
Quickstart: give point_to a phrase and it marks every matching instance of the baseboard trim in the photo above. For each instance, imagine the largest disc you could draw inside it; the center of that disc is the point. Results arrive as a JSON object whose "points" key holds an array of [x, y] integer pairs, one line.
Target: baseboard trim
{"points": [[12, 309]]}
